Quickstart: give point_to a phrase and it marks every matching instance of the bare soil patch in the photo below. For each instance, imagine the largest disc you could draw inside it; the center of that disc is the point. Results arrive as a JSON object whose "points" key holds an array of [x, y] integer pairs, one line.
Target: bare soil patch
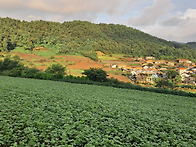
{"points": [[85, 65], [41, 68], [72, 58], [29, 56], [119, 77]]}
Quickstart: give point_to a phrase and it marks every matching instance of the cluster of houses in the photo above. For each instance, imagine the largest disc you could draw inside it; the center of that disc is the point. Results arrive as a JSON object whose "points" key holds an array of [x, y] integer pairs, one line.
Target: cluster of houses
{"points": [[150, 69]]}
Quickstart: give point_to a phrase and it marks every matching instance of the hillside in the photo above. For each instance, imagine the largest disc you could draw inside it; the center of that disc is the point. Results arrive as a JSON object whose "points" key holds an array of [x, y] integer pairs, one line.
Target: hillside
{"points": [[191, 44], [81, 37], [47, 113]]}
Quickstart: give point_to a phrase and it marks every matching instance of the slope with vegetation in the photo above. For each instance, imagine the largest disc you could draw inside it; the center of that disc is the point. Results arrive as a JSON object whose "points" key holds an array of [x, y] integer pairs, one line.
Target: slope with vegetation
{"points": [[191, 44], [81, 37]]}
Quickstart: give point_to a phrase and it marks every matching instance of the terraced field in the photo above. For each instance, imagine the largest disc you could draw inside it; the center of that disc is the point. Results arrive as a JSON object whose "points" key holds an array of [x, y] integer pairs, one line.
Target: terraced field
{"points": [[48, 113]]}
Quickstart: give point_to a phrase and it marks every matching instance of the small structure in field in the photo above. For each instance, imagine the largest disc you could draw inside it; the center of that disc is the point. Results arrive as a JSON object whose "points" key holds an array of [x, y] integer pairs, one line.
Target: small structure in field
{"points": [[150, 58], [41, 48], [183, 60], [189, 80]]}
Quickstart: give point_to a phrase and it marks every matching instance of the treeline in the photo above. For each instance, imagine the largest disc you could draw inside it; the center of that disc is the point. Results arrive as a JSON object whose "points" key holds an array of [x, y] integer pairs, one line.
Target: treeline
{"points": [[191, 44], [82, 37], [12, 67]]}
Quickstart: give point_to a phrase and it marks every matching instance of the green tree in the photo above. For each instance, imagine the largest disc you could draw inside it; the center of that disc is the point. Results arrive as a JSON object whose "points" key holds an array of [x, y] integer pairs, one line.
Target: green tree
{"points": [[5, 44], [96, 74], [9, 64], [194, 75], [150, 64], [164, 83], [174, 76], [11, 67], [29, 72], [56, 69]]}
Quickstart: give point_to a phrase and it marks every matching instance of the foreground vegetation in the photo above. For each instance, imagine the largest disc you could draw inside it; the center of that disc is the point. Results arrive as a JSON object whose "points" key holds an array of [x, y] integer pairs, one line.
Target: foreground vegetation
{"points": [[80, 37], [35, 112]]}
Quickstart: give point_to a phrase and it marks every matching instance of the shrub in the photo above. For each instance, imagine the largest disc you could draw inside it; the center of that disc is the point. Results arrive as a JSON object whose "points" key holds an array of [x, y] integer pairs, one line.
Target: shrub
{"points": [[96, 74], [91, 55], [164, 83], [56, 69], [29, 73], [9, 64]]}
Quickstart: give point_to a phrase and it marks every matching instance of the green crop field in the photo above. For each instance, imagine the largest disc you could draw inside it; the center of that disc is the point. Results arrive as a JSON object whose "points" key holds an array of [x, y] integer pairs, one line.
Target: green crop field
{"points": [[47, 113]]}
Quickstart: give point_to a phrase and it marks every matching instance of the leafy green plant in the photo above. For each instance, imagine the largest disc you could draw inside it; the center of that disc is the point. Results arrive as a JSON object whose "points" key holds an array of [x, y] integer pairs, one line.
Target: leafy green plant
{"points": [[56, 69], [47, 113], [164, 83], [96, 74], [29, 73]]}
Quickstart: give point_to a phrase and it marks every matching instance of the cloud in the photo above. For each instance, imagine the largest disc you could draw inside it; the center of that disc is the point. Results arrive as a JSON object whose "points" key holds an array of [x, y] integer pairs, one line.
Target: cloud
{"points": [[179, 28], [10, 3], [151, 14], [33, 17], [172, 21], [69, 6], [65, 9]]}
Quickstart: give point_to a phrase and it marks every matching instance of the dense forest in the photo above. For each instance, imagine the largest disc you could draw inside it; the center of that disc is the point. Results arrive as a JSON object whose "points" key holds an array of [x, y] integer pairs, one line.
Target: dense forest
{"points": [[82, 37], [191, 44]]}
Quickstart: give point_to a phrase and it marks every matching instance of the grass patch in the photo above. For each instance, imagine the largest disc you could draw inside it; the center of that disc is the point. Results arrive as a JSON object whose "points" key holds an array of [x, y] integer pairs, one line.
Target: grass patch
{"points": [[76, 72], [118, 55], [115, 72], [107, 58], [46, 54], [21, 50], [135, 64]]}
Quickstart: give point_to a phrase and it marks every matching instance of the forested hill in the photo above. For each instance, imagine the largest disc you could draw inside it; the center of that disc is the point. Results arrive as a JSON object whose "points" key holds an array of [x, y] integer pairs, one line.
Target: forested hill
{"points": [[191, 44], [86, 38]]}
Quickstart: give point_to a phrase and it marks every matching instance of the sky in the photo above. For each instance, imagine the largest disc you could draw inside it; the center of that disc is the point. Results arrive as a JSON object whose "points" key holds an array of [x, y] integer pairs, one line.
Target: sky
{"points": [[173, 20]]}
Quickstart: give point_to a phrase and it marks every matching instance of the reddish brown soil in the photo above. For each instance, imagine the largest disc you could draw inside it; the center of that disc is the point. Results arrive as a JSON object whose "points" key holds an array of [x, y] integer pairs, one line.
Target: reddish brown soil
{"points": [[73, 58], [129, 59], [106, 69], [113, 62], [28, 57], [60, 60], [41, 67], [85, 65], [119, 77], [80, 62]]}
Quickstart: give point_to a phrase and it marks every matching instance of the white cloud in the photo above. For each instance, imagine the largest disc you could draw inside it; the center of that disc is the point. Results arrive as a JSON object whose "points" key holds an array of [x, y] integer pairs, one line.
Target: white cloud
{"points": [[178, 28], [172, 21], [33, 17], [69, 6], [10, 3], [151, 14], [66, 9]]}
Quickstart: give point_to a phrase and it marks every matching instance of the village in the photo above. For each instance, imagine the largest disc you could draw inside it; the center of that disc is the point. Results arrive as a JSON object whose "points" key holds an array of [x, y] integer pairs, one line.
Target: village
{"points": [[146, 70]]}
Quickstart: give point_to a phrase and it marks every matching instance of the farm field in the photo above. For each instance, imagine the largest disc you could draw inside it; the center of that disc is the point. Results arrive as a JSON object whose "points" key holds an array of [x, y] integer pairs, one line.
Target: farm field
{"points": [[48, 113], [75, 64]]}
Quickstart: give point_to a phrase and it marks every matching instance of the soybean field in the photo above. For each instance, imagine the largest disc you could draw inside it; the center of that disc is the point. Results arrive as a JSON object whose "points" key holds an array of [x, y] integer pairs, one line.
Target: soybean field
{"points": [[49, 113]]}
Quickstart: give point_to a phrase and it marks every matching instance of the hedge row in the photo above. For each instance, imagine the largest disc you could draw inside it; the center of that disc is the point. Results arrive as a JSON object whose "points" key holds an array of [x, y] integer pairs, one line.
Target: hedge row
{"points": [[132, 86]]}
